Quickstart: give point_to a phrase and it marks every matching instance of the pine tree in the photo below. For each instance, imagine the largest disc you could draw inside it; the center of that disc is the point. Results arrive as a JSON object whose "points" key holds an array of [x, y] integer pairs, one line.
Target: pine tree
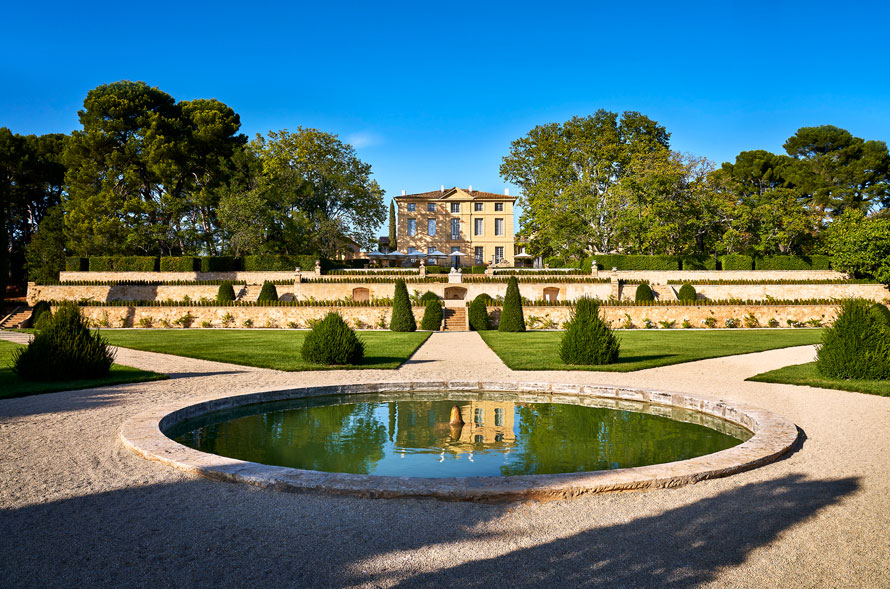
{"points": [[512, 318], [588, 340], [393, 242]]}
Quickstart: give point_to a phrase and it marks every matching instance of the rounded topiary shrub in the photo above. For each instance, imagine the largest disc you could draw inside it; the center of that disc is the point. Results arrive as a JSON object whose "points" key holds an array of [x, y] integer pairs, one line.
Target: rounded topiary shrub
{"points": [[428, 296], [478, 312], [41, 315], [402, 316], [268, 293], [65, 349], [856, 346], [226, 293], [687, 293], [881, 311], [512, 318], [588, 339], [332, 342], [644, 294], [432, 316]]}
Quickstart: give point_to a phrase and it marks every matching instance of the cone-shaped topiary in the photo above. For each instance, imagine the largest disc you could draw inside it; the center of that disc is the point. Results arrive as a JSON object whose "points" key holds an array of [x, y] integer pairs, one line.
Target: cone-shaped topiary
{"points": [[332, 342], [428, 296], [226, 293], [687, 293], [478, 312], [512, 318], [268, 292], [587, 339], [878, 310], [856, 346], [402, 317], [644, 294], [41, 315], [432, 316], [65, 349]]}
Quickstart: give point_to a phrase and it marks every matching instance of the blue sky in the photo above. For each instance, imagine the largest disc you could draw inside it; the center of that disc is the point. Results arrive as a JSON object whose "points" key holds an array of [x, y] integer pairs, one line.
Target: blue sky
{"points": [[433, 93]]}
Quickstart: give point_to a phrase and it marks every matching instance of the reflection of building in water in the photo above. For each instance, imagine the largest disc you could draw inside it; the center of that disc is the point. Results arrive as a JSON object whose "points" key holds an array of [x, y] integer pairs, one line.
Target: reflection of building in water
{"points": [[425, 425]]}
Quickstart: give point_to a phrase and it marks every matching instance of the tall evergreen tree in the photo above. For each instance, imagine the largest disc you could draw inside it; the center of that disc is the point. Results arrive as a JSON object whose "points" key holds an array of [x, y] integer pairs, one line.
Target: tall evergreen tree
{"points": [[512, 318], [402, 315], [393, 240]]}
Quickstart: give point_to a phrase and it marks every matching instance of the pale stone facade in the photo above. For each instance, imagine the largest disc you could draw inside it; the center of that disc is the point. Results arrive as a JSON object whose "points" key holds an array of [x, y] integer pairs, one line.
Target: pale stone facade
{"points": [[477, 224]]}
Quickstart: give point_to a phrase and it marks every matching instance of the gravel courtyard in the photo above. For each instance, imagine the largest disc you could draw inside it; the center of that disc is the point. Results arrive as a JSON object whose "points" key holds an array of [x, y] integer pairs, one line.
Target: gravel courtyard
{"points": [[77, 509]]}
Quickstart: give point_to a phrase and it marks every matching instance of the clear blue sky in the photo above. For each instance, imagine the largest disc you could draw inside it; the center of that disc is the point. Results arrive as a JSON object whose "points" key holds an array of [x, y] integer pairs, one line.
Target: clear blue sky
{"points": [[433, 93]]}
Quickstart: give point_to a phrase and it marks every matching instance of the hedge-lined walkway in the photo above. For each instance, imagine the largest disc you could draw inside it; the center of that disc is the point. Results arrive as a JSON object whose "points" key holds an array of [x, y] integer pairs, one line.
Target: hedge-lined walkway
{"points": [[80, 510]]}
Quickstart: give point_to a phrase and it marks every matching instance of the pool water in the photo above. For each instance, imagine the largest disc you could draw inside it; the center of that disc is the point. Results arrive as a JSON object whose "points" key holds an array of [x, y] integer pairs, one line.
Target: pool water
{"points": [[376, 435]]}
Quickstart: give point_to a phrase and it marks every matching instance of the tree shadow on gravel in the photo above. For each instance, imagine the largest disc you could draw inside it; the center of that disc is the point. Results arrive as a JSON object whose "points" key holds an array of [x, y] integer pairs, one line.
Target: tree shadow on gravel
{"points": [[205, 533]]}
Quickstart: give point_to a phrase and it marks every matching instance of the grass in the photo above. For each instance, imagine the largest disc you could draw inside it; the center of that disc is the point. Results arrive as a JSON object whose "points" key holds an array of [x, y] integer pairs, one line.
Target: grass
{"points": [[538, 350], [13, 386], [262, 348], [806, 375]]}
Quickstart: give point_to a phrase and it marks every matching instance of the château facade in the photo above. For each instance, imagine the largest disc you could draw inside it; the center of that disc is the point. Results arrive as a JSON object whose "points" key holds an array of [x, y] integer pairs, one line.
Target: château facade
{"points": [[475, 226]]}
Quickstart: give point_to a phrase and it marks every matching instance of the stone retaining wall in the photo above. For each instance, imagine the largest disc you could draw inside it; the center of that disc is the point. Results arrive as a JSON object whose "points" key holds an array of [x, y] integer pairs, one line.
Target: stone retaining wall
{"points": [[249, 277], [372, 317], [663, 276]]}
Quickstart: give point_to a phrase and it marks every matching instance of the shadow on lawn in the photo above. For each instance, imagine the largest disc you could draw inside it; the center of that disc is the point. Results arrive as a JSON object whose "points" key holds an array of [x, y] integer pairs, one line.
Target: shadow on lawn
{"points": [[198, 533]]}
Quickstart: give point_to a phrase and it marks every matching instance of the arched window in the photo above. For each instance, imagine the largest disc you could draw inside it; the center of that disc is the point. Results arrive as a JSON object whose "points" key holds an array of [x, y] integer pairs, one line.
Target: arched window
{"points": [[361, 294]]}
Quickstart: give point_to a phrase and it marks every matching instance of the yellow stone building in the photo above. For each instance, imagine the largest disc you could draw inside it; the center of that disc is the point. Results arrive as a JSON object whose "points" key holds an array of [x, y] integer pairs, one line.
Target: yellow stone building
{"points": [[475, 226]]}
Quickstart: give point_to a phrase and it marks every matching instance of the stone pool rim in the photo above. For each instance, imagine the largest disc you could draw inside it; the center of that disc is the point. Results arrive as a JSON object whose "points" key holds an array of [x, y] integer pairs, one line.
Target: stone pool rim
{"points": [[773, 436]]}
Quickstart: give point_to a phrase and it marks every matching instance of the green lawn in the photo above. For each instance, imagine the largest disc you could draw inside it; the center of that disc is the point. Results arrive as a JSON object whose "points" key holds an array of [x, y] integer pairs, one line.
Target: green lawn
{"points": [[13, 386], [806, 375], [278, 349], [538, 350]]}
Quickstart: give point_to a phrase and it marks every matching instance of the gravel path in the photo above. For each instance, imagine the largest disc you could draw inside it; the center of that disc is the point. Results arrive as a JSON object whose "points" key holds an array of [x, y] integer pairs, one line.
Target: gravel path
{"points": [[76, 509]]}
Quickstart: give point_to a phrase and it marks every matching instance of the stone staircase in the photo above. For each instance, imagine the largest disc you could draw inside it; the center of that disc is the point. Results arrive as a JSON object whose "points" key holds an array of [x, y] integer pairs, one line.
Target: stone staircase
{"points": [[455, 319], [17, 319]]}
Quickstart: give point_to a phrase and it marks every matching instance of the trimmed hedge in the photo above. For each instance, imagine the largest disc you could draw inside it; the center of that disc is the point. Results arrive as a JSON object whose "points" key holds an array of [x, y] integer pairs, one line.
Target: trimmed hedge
{"points": [[402, 316], [268, 293], [180, 264], [432, 316], [856, 346], [278, 263], [42, 311], [123, 264], [698, 263], [226, 293], [512, 318], [478, 312], [792, 263], [332, 342], [220, 264], [687, 293], [736, 262], [429, 296], [632, 262], [77, 264], [644, 294], [477, 270]]}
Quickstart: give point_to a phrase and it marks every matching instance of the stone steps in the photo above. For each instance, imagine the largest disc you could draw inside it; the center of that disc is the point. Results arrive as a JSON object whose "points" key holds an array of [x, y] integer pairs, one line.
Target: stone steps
{"points": [[16, 319], [455, 319]]}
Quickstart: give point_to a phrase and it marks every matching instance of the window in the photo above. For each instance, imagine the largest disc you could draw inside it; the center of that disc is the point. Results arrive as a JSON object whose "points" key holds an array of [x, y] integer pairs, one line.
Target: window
{"points": [[477, 206], [498, 207], [498, 226], [412, 227], [412, 206], [499, 416], [477, 226], [479, 438], [431, 227], [479, 416], [455, 229], [498, 255], [455, 207], [480, 255], [412, 250], [431, 207], [430, 261], [455, 260]]}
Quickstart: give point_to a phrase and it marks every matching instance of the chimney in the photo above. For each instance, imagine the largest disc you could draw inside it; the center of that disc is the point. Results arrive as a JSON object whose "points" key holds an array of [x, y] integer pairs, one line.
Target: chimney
{"points": [[506, 192], [403, 193], [471, 189], [442, 189]]}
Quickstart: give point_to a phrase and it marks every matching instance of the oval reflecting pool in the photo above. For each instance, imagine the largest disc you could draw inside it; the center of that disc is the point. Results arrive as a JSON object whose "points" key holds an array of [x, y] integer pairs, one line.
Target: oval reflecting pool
{"points": [[377, 435]]}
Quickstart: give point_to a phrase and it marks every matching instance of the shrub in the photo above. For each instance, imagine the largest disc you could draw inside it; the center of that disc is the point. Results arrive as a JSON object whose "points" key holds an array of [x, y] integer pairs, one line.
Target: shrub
{"points": [[268, 292], [477, 270], [123, 264], [65, 349], [180, 264], [220, 264], [331, 342], [792, 263], [644, 294], [402, 317], [736, 262], [687, 293], [76, 264], [587, 339], [226, 293], [699, 263], [878, 310], [773, 322], [432, 316], [41, 314], [511, 315], [751, 321], [428, 296], [856, 346], [434, 269], [632, 262], [478, 313]]}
